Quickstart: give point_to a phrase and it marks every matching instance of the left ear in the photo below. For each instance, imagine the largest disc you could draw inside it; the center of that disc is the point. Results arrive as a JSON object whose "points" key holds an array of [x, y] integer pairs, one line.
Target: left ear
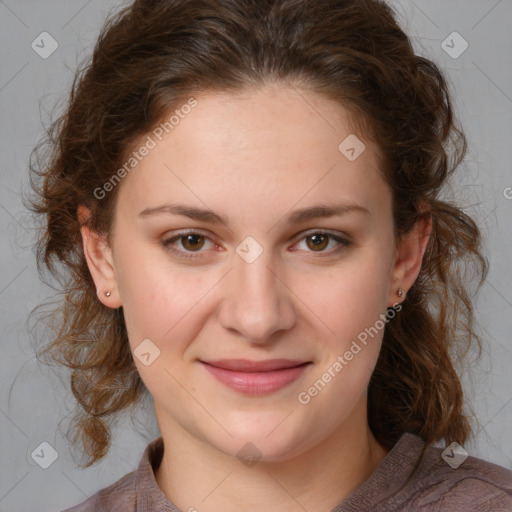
{"points": [[100, 262], [409, 256]]}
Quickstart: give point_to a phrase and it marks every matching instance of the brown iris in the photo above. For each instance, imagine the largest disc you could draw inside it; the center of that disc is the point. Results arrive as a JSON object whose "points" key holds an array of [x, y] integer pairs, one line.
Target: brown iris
{"points": [[190, 242], [320, 241]]}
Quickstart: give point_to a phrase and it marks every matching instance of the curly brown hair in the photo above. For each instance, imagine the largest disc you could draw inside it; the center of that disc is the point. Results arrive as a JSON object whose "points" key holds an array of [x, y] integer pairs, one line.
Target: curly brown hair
{"points": [[148, 59]]}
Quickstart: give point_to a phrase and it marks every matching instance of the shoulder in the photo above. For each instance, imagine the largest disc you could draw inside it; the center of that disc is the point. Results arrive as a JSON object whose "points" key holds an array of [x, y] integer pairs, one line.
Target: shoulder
{"points": [[472, 485], [117, 497], [122, 495]]}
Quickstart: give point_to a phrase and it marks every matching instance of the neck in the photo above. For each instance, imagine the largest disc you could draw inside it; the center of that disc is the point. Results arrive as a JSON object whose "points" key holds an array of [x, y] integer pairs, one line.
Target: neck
{"points": [[195, 475]]}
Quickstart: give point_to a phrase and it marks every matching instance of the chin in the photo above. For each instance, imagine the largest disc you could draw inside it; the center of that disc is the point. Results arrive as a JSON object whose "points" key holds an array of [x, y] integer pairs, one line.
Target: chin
{"points": [[256, 445]]}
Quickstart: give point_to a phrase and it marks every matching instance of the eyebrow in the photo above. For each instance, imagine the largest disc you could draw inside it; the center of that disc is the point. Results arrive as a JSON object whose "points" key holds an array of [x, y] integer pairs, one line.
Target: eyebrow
{"points": [[296, 217]]}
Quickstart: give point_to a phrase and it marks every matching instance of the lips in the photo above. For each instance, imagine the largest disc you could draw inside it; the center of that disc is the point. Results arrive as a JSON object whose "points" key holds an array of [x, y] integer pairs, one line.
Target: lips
{"points": [[248, 366], [256, 378]]}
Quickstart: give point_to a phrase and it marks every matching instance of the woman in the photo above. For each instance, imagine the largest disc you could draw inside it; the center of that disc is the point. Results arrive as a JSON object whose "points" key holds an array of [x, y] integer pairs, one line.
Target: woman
{"points": [[245, 196]]}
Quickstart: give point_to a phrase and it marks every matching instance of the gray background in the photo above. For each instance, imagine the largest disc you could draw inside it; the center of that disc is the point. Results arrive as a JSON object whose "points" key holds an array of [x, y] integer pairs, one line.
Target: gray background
{"points": [[35, 402]]}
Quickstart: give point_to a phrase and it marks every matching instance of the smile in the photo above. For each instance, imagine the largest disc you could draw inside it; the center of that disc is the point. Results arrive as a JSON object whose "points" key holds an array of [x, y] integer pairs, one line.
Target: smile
{"points": [[256, 378]]}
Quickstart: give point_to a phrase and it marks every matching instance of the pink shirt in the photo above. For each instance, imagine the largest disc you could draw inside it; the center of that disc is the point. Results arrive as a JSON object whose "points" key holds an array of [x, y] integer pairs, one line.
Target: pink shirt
{"points": [[404, 481]]}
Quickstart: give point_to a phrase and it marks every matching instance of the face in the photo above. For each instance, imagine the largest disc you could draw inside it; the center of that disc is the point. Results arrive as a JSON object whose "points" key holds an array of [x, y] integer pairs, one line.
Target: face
{"points": [[255, 280]]}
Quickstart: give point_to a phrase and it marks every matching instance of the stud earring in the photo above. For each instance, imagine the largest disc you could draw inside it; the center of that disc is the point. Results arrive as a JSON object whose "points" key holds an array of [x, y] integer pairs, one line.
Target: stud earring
{"points": [[108, 294], [400, 292]]}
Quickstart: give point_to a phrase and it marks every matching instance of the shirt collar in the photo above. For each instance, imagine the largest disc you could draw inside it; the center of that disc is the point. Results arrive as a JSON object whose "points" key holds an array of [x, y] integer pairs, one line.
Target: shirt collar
{"points": [[149, 495], [393, 470]]}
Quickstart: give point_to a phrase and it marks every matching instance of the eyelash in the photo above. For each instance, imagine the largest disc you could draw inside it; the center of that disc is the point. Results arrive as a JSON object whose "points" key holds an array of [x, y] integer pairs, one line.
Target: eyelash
{"points": [[344, 243]]}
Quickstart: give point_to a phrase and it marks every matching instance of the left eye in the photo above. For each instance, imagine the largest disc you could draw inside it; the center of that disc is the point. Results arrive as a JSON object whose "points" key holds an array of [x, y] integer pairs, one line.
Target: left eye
{"points": [[193, 242], [318, 241]]}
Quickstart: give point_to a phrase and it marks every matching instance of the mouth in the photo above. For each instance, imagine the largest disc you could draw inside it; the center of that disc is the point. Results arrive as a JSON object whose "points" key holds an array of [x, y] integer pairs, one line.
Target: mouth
{"points": [[248, 366], [256, 377]]}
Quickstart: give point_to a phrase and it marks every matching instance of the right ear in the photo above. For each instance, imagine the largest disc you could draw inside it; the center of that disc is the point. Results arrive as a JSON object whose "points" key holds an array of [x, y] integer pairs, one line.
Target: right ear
{"points": [[99, 260]]}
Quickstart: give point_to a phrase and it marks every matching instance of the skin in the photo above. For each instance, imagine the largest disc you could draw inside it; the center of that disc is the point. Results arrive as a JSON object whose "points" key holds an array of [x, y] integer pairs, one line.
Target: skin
{"points": [[254, 158]]}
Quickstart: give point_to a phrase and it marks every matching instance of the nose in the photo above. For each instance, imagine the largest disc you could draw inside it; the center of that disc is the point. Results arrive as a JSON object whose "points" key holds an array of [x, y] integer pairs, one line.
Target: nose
{"points": [[257, 302]]}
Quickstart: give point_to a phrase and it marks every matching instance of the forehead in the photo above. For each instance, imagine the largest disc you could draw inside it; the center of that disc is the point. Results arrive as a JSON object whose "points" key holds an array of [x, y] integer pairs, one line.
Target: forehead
{"points": [[274, 145]]}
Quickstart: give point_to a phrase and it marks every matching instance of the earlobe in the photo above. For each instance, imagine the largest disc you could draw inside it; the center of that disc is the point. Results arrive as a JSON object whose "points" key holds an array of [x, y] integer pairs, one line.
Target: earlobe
{"points": [[100, 262], [409, 256]]}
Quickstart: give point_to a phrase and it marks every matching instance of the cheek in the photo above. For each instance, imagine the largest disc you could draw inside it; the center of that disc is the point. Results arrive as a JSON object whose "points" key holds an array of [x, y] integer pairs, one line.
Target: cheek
{"points": [[161, 305], [348, 299], [160, 300]]}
